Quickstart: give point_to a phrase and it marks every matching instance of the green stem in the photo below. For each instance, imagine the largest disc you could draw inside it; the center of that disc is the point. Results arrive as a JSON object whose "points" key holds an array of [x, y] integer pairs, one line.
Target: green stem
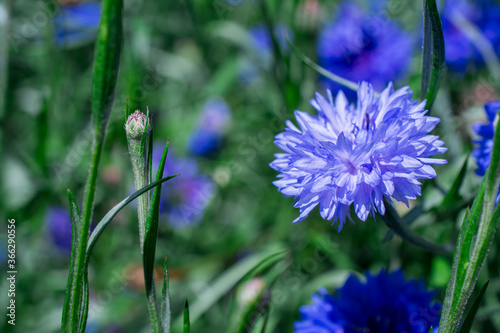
{"points": [[394, 222]]}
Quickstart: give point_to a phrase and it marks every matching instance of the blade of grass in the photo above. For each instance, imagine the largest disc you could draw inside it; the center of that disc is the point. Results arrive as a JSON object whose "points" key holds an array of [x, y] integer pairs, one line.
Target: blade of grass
{"points": [[186, 327], [73, 291], [151, 232], [106, 63]]}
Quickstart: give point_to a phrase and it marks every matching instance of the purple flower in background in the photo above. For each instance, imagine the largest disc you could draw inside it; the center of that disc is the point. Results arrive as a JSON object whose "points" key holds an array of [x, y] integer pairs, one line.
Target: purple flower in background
{"points": [[358, 154], [361, 47], [208, 137], [262, 46], [460, 51], [184, 198], [385, 303], [58, 222], [484, 145], [76, 24]]}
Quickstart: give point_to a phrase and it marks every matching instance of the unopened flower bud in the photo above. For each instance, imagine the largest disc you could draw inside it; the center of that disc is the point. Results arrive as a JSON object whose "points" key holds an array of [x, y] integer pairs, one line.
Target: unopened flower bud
{"points": [[136, 125]]}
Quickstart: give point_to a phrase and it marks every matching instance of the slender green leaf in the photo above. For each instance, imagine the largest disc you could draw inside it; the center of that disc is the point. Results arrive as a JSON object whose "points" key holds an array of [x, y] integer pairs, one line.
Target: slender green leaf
{"points": [[186, 326], [151, 232], [432, 53], [165, 300], [469, 319], [116, 209], [106, 61], [152, 228], [71, 307], [105, 70]]}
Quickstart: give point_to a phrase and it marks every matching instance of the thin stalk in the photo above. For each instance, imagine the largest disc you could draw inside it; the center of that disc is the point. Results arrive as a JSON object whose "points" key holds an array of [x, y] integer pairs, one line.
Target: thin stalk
{"points": [[394, 222]]}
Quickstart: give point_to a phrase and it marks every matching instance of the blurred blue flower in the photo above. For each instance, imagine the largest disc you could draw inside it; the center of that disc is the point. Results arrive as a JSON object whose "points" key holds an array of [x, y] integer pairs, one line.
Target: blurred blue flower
{"points": [[484, 145], [362, 47], [485, 15], [385, 303], [184, 198], [76, 24], [58, 222], [262, 46], [208, 137], [357, 154]]}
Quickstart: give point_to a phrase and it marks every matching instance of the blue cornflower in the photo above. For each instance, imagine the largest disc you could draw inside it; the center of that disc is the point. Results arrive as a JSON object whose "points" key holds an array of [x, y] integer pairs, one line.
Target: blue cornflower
{"points": [[207, 138], [362, 47], [484, 145], [357, 154], [385, 303], [76, 24], [184, 198], [460, 52], [58, 222]]}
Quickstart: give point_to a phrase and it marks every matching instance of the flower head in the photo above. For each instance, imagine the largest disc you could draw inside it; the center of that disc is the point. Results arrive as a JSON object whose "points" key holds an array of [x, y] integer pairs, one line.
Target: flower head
{"points": [[76, 24], [357, 154], [207, 138], [58, 222], [386, 302], [135, 126], [357, 47], [184, 198]]}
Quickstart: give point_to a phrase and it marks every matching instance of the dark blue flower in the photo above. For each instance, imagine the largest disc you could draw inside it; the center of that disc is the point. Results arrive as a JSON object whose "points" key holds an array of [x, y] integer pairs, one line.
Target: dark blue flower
{"points": [[184, 198], [77, 24], [484, 145], [357, 154], [207, 138], [362, 47], [58, 222], [460, 51], [385, 303]]}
